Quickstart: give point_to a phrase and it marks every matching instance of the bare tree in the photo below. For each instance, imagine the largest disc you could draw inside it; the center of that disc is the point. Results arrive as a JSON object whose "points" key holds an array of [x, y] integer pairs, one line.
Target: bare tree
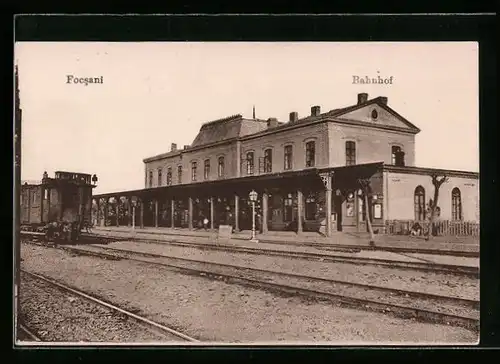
{"points": [[437, 181], [365, 185]]}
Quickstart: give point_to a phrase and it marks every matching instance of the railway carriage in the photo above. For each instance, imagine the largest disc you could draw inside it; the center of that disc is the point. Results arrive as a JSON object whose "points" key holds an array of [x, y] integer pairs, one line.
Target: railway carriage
{"points": [[57, 207]]}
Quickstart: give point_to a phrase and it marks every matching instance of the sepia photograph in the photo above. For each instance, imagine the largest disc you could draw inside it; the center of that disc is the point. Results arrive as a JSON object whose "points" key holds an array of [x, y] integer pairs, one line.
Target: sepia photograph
{"points": [[257, 193]]}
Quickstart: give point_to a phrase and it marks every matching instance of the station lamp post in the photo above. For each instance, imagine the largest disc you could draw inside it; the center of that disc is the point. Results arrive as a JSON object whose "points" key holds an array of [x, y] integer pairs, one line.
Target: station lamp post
{"points": [[94, 180], [253, 198]]}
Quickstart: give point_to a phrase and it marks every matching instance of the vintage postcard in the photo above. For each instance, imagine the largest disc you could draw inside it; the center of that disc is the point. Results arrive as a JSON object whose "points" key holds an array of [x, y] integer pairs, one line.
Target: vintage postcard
{"points": [[209, 193]]}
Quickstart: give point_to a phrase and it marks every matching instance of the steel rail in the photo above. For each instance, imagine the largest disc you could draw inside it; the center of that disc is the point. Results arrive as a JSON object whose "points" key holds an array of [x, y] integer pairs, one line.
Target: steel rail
{"points": [[330, 246], [367, 304], [461, 301], [29, 333], [420, 266], [156, 327]]}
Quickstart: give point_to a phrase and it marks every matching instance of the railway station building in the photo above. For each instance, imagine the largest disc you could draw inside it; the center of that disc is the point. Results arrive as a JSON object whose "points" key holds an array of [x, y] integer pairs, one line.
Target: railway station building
{"points": [[307, 172]]}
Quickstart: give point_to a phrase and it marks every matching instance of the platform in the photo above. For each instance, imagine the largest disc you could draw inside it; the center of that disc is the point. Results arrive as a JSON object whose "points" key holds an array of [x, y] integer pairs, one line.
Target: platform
{"points": [[437, 245]]}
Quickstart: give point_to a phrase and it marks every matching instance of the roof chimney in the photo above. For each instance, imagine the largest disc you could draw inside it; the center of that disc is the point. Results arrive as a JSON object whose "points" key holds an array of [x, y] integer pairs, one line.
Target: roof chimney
{"points": [[272, 123], [362, 98], [383, 100], [173, 147], [294, 116], [315, 110]]}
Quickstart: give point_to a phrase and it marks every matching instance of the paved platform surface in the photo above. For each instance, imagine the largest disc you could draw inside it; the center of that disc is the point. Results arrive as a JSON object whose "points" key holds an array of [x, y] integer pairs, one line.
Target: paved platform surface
{"points": [[289, 245]]}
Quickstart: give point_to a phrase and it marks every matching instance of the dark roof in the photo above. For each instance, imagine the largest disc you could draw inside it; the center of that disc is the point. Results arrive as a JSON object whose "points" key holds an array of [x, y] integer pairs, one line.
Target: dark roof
{"points": [[227, 128]]}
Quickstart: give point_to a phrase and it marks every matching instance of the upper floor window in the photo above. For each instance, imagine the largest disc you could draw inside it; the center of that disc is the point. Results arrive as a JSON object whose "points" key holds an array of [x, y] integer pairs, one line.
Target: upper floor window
{"points": [[310, 154], [456, 204], [46, 194], [194, 166], [350, 153], [220, 167], [288, 157], [250, 163], [179, 174], [206, 169], [169, 176], [374, 114], [419, 203], [159, 177], [150, 179], [395, 149], [268, 160]]}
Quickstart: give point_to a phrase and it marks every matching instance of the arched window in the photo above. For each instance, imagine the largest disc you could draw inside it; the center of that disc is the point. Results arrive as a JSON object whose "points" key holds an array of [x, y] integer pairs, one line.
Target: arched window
{"points": [[221, 166], [160, 177], [268, 160], [206, 169], [395, 149], [179, 173], [456, 204], [169, 176], [288, 157], [150, 179], [310, 154], [350, 153], [250, 163], [419, 203], [194, 168]]}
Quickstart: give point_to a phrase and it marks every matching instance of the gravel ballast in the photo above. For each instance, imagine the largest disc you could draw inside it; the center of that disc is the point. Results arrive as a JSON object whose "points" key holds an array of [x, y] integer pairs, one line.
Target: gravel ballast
{"points": [[410, 280], [309, 283], [216, 311], [59, 316]]}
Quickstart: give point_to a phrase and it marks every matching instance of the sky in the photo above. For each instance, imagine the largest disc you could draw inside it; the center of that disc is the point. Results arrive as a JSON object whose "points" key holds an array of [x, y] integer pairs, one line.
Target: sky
{"points": [[158, 93]]}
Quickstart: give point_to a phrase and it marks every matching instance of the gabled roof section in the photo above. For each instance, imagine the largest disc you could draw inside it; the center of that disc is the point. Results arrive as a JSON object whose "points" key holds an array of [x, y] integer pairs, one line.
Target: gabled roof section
{"points": [[347, 115], [387, 116], [227, 128]]}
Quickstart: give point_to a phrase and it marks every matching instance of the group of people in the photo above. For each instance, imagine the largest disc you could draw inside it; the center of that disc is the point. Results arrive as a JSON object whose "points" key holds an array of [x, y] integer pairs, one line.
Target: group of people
{"points": [[62, 230]]}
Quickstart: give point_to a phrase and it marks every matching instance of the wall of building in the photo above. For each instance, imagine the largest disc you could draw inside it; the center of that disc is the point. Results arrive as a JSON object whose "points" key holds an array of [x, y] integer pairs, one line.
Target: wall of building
{"points": [[228, 151], [372, 145], [401, 188], [185, 159], [295, 137]]}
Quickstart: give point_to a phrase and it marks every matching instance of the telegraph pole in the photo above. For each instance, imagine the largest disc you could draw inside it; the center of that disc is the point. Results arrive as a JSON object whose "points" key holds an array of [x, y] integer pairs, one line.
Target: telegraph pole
{"points": [[17, 199]]}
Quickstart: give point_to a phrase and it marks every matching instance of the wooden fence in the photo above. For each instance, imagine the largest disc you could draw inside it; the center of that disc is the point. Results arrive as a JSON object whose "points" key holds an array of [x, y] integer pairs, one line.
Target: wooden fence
{"points": [[441, 227]]}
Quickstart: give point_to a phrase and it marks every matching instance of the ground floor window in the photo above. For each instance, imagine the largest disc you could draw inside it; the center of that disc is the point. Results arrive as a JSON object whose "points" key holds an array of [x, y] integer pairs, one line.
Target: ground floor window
{"points": [[288, 208], [361, 208], [311, 207], [419, 203]]}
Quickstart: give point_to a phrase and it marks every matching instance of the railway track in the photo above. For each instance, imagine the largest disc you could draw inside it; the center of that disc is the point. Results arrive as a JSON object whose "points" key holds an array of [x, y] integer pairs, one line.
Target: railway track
{"points": [[26, 334], [334, 247], [407, 304], [460, 270], [418, 266], [154, 327]]}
